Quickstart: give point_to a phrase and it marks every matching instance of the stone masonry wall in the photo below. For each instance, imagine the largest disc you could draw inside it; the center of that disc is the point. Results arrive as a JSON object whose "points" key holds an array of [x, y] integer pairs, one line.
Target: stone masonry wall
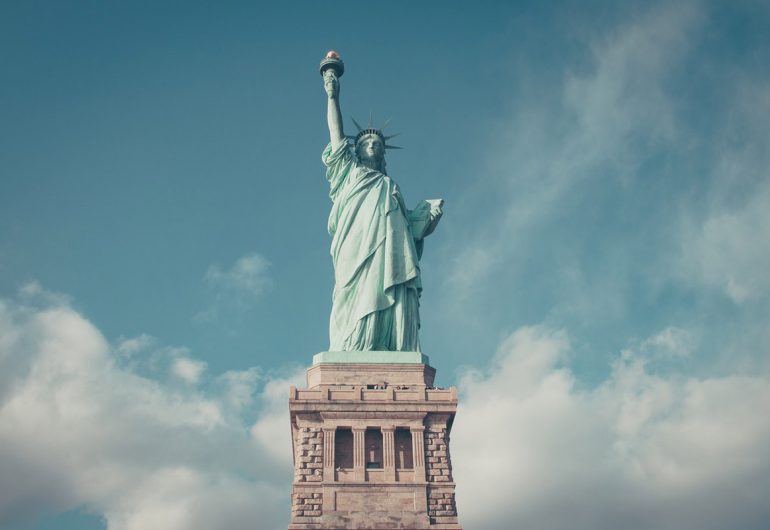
{"points": [[437, 462], [309, 447], [308, 501], [441, 504], [438, 469]]}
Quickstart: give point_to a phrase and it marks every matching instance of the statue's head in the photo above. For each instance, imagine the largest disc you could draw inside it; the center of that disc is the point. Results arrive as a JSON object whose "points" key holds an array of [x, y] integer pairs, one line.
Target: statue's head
{"points": [[371, 148], [370, 145]]}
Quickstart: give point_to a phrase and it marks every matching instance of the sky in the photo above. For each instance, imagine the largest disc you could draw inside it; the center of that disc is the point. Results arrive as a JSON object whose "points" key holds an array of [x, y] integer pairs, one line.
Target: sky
{"points": [[597, 288]]}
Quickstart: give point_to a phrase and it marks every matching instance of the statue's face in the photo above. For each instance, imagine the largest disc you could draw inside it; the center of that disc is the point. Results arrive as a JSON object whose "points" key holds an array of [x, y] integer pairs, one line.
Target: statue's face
{"points": [[370, 147]]}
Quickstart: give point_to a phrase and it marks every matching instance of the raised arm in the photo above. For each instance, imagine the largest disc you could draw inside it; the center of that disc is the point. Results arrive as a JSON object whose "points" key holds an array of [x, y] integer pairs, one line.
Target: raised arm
{"points": [[333, 114]]}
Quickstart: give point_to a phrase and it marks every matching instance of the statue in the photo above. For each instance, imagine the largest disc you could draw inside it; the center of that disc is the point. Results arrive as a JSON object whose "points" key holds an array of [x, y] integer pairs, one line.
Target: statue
{"points": [[376, 241]]}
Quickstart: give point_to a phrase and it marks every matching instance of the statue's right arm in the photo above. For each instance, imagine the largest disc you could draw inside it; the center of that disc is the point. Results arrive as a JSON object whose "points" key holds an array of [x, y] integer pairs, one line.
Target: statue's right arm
{"points": [[333, 113]]}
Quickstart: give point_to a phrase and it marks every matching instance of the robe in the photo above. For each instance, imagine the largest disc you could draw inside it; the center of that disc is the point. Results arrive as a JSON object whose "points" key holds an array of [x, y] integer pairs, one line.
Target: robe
{"points": [[376, 246]]}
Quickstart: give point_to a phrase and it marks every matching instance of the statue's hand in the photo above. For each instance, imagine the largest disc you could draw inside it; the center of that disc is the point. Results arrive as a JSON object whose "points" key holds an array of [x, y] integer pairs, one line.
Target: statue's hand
{"points": [[331, 84]]}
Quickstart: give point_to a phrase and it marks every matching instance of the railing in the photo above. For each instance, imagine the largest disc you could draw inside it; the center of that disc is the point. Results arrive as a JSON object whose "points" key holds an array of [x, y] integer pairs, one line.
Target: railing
{"points": [[374, 395]]}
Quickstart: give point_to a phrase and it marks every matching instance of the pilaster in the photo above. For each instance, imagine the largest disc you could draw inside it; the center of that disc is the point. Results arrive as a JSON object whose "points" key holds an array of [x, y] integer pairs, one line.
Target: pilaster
{"points": [[328, 458], [418, 452], [388, 454], [359, 454]]}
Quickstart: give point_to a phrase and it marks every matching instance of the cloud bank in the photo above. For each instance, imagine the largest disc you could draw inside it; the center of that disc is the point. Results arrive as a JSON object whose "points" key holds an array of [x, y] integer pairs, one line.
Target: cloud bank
{"points": [[645, 449], [80, 427]]}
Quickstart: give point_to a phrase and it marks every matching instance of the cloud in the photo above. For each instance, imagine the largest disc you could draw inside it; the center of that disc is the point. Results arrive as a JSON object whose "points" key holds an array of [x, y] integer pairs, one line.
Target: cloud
{"points": [[533, 448], [672, 342], [248, 275], [625, 191], [731, 250], [237, 288], [79, 428], [275, 419], [188, 370], [728, 247], [128, 347], [611, 111], [240, 386]]}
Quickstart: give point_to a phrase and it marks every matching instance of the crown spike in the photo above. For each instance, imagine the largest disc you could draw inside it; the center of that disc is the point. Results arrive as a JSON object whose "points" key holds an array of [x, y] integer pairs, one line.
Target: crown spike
{"points": [[356, 124], [384, 125], [391, 136], [392, 147], [370, 120]]}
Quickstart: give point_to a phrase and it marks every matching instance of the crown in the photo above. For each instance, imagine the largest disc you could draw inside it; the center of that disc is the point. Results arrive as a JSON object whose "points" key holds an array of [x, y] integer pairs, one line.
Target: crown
{"points": [[369, 129]]}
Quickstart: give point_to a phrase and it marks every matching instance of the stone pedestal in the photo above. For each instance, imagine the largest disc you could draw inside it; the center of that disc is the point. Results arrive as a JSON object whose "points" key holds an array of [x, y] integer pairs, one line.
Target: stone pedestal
{"points": [[371, 444]]}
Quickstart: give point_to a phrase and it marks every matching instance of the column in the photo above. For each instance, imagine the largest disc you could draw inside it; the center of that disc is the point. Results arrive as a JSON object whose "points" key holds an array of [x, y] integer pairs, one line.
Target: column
{"points": [[418, 452], [359, 454], [329, 454], [389, 453]]}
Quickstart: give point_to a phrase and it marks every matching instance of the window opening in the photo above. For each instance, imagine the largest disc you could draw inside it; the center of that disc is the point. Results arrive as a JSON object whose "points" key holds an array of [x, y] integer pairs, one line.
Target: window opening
{"points": [[403, 442], [343, 448], [373, 447]]}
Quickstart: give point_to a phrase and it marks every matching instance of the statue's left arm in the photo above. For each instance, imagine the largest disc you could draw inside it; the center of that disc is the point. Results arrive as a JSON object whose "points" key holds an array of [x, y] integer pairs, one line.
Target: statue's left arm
{"points": [[424, 218]]}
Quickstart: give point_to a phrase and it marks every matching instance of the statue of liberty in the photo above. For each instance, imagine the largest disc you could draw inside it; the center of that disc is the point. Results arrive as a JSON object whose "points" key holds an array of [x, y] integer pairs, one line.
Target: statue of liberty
{"points": [[376, 241]]}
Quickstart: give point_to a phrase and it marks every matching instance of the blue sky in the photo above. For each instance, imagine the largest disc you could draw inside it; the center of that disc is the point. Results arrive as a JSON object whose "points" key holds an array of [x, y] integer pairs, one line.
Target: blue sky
{"points": [[597, 288]]}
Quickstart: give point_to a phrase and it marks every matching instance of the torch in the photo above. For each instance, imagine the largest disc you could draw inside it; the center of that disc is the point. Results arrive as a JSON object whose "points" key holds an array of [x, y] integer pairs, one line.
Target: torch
{"points": [[332, 62]]}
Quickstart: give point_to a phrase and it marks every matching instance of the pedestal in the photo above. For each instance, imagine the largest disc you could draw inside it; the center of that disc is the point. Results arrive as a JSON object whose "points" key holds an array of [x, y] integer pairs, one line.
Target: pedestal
{"points": [[371, 444]]}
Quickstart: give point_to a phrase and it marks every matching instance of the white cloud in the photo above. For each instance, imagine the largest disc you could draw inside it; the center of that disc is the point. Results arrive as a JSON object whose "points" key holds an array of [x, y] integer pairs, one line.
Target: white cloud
{"points": [[188, 370], [237, 288], [248, 275], [726, 245], [240, 386], [730, 248], [534, 449], [272, 429], [670, 343], [129, 347], [33, 291], [79, 429]]}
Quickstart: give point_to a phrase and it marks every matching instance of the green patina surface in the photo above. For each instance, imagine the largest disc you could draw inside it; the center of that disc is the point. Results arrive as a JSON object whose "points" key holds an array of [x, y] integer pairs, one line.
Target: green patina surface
{"points": [[377, 241], [371, 357]]}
